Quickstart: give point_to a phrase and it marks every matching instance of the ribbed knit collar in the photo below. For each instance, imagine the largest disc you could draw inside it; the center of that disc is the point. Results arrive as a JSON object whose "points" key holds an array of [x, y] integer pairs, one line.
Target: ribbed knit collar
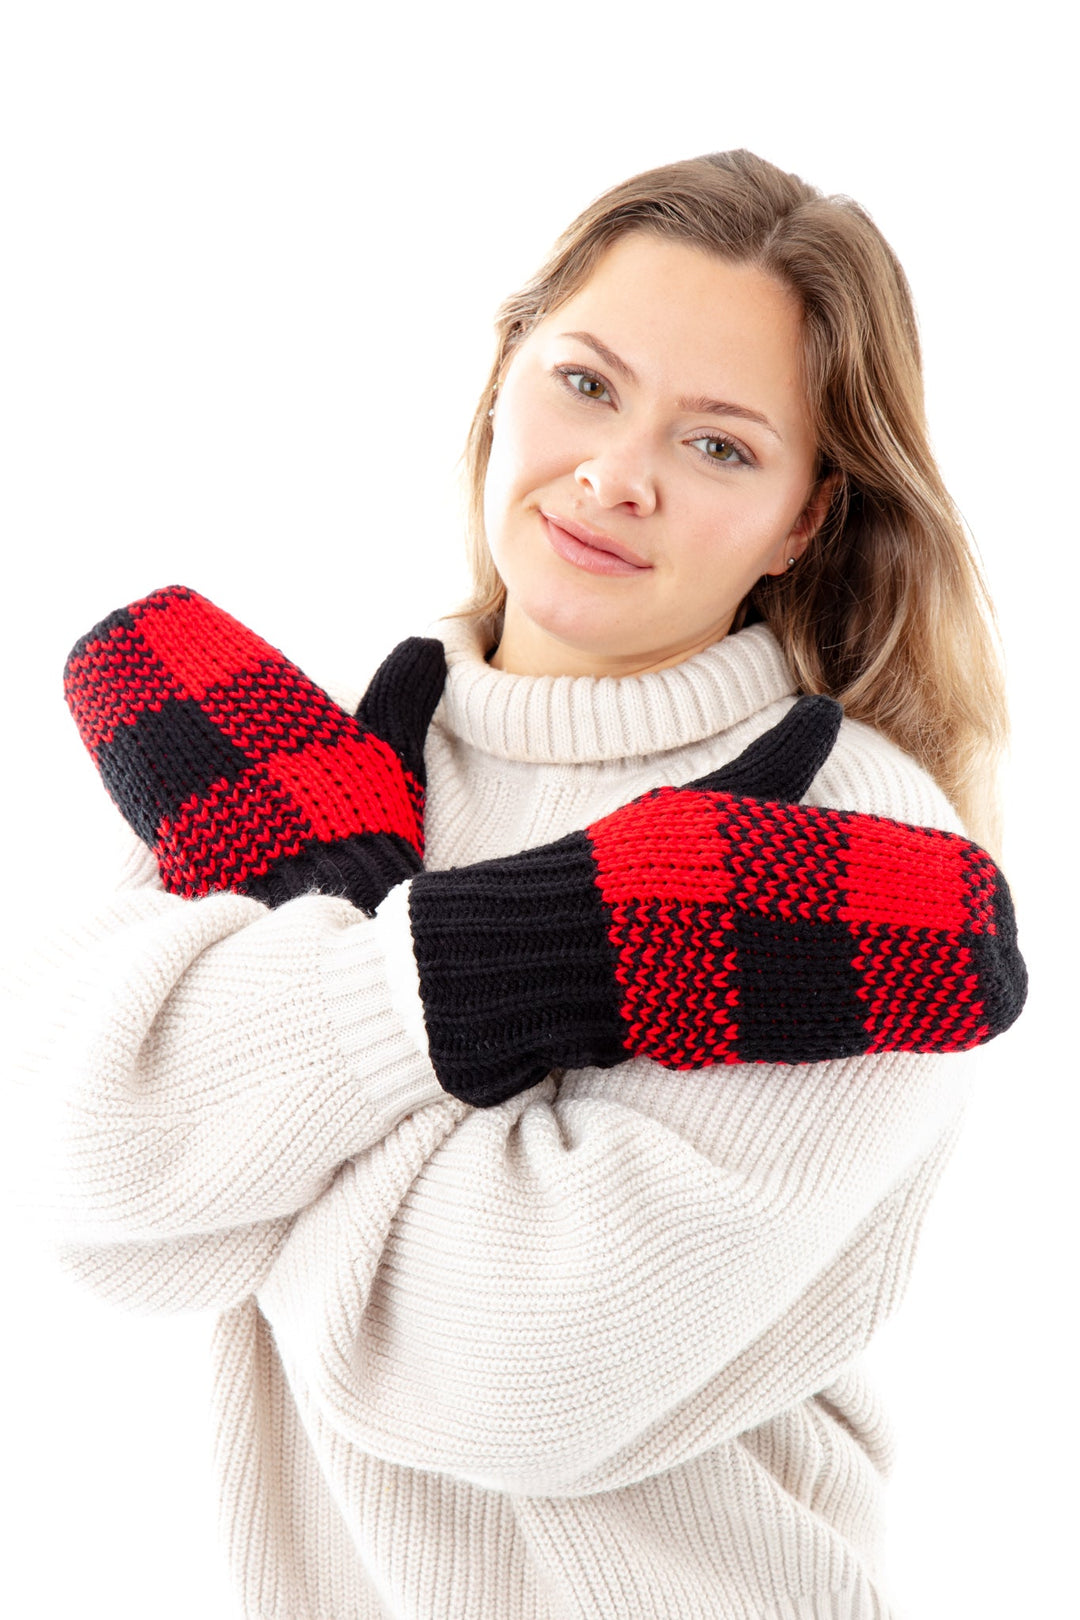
{"points": [[575, 719]]}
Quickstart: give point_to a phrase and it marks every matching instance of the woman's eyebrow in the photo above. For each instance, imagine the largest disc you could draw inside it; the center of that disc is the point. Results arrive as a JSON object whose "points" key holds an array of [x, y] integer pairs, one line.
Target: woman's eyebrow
{"points": [[695, 402]]}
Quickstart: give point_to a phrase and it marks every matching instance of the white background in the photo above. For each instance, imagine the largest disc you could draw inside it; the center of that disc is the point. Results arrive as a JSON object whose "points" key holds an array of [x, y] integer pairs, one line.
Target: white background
{"points": [[251, 254]]}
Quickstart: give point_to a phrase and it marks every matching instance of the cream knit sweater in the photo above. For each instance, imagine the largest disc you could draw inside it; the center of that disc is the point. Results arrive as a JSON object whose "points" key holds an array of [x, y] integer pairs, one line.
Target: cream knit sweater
{"points": [[587, 1355]]}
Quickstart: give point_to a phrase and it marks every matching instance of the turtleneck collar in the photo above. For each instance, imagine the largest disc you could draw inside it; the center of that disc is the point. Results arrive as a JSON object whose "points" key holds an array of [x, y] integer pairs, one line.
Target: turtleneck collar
{"points": [[569, 720]]}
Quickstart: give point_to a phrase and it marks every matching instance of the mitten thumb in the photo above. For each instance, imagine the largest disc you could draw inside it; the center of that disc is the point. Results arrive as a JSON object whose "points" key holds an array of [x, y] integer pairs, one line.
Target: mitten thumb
{"points": [[402, 697], [781, 764]]}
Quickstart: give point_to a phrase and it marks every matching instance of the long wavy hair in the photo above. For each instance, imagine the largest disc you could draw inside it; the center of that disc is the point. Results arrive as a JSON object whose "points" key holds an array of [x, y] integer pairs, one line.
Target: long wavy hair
{"points": [[886, 611]]}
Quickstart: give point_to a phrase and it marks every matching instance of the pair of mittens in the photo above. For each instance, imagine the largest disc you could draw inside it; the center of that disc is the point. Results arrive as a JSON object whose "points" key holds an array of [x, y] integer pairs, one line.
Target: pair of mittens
{"points": [[720, 922]]}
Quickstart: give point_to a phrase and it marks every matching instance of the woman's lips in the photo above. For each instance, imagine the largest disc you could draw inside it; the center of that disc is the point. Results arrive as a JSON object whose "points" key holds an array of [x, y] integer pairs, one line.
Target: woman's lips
{"points": [[582, 554]]}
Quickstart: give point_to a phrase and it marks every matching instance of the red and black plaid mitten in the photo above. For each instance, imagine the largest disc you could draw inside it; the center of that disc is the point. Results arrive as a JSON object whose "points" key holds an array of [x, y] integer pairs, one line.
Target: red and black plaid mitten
{"points": [[715, 923], [238, 771]]}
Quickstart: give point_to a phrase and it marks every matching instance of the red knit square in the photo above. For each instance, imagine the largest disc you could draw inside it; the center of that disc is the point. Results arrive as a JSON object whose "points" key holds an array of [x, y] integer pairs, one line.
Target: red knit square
{"points": [[665, 846], [351, 785], [199, 643], [914, 877]]}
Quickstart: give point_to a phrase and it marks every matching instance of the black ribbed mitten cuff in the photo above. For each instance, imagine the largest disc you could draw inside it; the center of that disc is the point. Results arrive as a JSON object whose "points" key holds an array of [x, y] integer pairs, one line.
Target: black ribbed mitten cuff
{"points": [[517, 974]]}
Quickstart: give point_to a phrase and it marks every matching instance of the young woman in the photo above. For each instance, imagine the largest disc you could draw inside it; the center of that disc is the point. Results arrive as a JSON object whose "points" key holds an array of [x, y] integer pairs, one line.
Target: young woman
{"points": [[548, 1195]]}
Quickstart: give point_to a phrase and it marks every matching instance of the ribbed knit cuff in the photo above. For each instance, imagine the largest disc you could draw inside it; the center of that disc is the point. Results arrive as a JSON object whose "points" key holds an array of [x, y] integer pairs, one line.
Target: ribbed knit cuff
{"points": [[517, 974], [394, 1072]]}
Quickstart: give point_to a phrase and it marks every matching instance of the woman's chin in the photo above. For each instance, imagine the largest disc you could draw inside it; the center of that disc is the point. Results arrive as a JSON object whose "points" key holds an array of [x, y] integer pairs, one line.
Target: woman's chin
{"points": [[558, 629], [561, 637]]}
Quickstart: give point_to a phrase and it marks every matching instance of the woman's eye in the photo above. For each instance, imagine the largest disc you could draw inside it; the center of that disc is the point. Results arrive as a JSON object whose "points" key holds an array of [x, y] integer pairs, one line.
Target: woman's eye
{"points": [[585, 384], [722, 451]]}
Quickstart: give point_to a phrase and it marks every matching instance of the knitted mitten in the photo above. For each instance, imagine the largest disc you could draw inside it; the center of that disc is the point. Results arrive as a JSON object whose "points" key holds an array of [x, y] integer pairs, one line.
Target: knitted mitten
{"points": [[237, 770], [715, 923]]}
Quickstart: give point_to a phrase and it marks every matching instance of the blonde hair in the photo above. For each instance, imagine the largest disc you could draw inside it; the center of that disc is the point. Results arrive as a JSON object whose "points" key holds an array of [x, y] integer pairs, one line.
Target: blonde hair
{"points": [[887, 610]]}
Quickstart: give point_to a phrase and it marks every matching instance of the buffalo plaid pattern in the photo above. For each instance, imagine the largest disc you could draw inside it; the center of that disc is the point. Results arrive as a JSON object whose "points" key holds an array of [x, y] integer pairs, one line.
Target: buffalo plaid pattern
{"points": [[224, 757], [746, 931]]}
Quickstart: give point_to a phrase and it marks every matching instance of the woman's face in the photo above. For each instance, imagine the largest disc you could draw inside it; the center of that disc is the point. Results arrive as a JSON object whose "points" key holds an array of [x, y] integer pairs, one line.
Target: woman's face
{"points": [[652, 458]]}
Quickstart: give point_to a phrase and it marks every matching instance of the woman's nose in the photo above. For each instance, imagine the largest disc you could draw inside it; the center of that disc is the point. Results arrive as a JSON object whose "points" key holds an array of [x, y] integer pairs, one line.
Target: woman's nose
{"points": [[620, 472]]}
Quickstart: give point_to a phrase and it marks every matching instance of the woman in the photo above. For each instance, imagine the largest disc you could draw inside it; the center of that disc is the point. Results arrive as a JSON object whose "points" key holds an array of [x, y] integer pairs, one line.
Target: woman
{"points": [[589, 1347]]}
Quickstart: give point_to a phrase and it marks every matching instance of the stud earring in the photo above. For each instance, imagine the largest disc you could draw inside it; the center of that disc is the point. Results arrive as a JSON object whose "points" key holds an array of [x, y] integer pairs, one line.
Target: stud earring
{"points": [[790, 561]]}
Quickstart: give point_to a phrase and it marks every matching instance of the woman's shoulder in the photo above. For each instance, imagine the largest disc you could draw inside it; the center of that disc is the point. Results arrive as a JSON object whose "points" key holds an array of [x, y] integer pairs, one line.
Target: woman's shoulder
{"points": [[868, 773]]}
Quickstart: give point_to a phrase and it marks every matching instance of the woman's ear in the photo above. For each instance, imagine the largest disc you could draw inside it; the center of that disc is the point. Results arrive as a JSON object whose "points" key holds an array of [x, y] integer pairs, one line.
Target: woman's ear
{"points": [[809, 521], [816, 509]]}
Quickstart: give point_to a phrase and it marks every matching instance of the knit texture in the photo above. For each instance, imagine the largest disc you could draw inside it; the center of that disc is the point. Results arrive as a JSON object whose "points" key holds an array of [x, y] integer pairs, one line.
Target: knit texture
{"points": [[590, 1354], [237, 770]]}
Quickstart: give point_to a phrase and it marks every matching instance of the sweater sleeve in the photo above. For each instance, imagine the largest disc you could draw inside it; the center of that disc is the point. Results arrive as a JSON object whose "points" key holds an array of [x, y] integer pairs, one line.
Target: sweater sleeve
{"points": [[206, 1068], [600, 1277], [612, 1272]]}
